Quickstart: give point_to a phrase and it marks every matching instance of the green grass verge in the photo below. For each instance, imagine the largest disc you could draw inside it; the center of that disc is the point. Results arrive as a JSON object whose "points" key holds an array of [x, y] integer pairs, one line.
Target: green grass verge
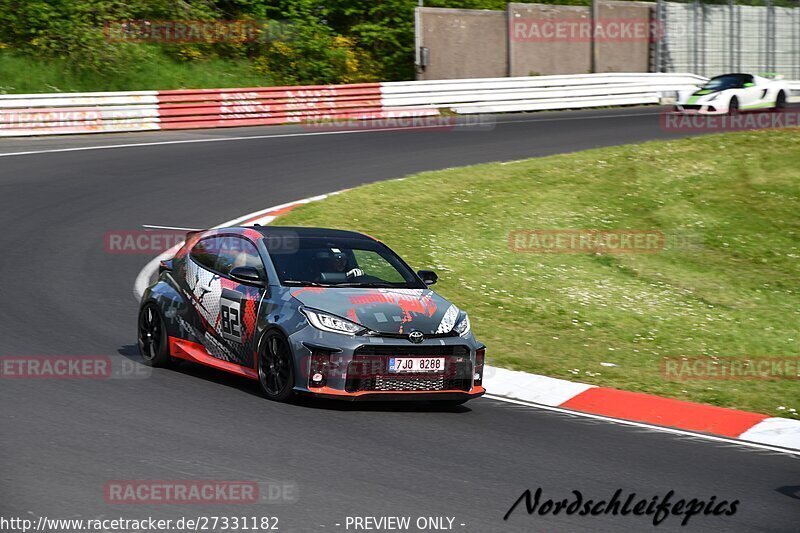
{"points": [[20, 75], [735, 294]]}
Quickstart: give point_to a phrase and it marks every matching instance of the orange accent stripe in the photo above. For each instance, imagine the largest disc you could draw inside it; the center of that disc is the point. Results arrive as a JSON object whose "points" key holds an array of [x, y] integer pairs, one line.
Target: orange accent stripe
{"points": [[664, 411], [192, 351], [338, 392]]}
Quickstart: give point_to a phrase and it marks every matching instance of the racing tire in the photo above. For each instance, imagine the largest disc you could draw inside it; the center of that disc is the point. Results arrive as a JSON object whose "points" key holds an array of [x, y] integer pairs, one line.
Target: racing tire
{"points": [[152, 337], [733, 106], [780, 101], [276, 367]]}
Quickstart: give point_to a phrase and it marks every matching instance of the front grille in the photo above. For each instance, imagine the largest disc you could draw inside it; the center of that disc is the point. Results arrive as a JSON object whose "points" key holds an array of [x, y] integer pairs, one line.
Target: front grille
{"points": [[404, 336], [692, 106], [419, 350], [413, 383], [368, 371]]}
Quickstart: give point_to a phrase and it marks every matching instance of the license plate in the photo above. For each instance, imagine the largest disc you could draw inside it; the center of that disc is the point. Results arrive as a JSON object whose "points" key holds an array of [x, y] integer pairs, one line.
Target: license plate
{"points": [[416, 364]]}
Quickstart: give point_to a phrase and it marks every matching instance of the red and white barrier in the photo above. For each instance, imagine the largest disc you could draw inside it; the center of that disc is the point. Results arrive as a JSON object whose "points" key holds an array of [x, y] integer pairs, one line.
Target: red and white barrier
{"points": [[49, 114]]}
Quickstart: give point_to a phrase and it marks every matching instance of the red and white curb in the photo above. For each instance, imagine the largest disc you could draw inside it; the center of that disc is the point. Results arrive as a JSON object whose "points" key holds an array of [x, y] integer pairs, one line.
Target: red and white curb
{"points": [[613, 405], [647, 409]]}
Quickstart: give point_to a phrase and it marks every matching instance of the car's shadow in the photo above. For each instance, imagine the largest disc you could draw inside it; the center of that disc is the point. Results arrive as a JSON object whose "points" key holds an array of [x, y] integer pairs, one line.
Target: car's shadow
{"points": [[248, 386], [792, 491]]}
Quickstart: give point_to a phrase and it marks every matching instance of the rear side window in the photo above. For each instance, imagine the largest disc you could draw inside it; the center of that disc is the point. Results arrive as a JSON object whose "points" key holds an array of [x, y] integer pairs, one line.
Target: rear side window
{"points": [[205, 252]]}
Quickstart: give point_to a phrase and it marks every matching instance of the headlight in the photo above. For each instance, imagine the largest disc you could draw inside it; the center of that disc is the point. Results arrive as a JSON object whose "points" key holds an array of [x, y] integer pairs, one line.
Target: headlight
{"points": [[462, 326], [332, 323], [713, 97]]}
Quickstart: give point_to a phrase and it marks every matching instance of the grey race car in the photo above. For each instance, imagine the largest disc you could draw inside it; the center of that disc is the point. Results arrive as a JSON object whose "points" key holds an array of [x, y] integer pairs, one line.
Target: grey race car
{"points": [[306, 310]]}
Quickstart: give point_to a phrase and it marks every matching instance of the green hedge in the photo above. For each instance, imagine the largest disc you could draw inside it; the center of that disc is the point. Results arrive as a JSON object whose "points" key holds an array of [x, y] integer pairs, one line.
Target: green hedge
{"points": [[63, 44]]}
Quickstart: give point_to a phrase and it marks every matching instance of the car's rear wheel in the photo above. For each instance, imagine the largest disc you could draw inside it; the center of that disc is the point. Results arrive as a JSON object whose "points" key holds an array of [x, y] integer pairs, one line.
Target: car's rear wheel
{"points": [[780, 100], [733, 106], [276, 367], [152, 337]]}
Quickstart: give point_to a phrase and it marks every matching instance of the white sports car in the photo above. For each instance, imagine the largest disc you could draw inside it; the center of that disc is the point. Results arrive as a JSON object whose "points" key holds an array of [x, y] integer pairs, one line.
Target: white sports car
{"points": [[731, 93]]}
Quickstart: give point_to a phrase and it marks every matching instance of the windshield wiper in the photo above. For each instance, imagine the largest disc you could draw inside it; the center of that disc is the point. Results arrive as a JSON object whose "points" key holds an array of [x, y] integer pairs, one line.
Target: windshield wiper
{"points": [[371, 284], [304, 283]]}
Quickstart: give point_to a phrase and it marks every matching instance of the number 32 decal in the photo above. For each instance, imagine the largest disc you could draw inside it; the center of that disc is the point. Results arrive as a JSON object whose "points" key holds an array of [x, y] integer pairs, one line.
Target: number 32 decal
{"points": [[230, 309]]}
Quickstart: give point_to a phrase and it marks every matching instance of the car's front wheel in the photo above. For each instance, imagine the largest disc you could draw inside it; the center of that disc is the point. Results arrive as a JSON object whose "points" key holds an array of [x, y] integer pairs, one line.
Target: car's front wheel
{"points": [[733, 106], [152, 337], [276, 367], [780, 100]]}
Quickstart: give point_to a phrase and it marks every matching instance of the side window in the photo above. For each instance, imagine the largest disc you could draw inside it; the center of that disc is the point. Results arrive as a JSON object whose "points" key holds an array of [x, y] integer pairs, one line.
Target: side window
{"points": [[205, 251], [237, 252]]}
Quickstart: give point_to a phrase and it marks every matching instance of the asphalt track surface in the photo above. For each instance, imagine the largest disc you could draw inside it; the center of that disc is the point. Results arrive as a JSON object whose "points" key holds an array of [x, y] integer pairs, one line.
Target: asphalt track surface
{"points": [[62, 294]]}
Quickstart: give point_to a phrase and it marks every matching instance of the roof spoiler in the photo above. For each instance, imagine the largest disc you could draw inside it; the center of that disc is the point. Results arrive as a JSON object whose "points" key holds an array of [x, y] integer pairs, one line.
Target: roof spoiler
{"points": [[191, 237]]}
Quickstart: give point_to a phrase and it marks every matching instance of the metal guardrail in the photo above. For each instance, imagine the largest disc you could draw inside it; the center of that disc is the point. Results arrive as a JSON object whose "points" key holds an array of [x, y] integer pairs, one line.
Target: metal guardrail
{"points": [[101, 112], [500, 95]]}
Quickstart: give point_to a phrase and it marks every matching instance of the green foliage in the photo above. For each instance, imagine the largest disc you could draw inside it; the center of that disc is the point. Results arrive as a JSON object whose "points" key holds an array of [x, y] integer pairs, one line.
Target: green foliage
{"points": [[296, 44], [20, 74], [308, 50]]}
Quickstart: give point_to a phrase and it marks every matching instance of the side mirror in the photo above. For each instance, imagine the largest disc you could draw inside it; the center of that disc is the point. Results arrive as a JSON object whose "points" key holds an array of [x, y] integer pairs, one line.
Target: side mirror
{"points": [[248, 276], [165, 266], [748, 84], [428, 276]]}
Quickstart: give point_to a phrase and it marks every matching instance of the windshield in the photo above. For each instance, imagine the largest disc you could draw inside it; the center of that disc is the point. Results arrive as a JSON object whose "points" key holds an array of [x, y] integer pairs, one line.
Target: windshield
{"points": [[729, 81], [338, 262]]}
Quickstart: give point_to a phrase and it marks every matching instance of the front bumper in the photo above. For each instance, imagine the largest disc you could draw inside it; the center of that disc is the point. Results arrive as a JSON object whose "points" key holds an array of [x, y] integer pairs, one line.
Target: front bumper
{"points": [[701, 109], [404, 396], [356, 367]]}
